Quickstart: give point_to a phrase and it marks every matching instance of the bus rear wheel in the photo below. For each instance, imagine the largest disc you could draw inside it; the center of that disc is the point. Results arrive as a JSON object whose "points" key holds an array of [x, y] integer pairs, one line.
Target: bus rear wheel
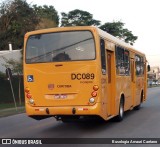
{"points": [[120, 116]]}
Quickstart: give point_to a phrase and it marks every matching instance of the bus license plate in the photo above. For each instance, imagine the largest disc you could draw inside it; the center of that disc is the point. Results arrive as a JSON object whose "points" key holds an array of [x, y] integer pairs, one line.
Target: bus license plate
{"points": [[60, 96]]}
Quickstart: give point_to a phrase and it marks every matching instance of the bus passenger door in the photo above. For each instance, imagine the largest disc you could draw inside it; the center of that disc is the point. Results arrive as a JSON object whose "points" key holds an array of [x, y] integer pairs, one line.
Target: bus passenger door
{"points": [[133, 81], [108, 71], [110, 91]]}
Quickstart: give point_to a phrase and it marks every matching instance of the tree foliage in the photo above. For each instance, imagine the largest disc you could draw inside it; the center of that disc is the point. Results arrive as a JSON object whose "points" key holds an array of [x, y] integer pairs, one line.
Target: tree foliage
{"points": [[16, 18], [117, 29], [78, 18], [14, 65], [84, 18], [2, 75], [48, 16]]}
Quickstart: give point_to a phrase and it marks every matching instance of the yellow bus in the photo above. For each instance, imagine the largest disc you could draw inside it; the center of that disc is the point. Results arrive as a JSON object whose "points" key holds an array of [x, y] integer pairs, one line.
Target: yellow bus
{"points": [[79, 72]]}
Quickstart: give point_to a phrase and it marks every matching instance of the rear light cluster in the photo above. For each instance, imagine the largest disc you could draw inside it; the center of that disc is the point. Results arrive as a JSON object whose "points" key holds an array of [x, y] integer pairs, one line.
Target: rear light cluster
{"points": [[94, 94], [95, 88], [28, 95]]}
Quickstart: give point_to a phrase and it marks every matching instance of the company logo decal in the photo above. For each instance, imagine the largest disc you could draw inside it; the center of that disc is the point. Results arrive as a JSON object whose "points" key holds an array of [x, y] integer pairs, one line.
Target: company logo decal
{"points": [[64, 86], [50, 86]]}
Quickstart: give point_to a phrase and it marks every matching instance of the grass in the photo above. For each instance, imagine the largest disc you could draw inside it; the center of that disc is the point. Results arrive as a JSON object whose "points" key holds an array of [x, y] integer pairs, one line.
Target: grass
{"points": [[9, 105], [9, 109]]}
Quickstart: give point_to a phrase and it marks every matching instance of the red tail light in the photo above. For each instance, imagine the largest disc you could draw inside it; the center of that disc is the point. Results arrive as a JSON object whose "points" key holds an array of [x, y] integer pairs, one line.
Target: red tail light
{"points": [[28, 95], [94, 93]]}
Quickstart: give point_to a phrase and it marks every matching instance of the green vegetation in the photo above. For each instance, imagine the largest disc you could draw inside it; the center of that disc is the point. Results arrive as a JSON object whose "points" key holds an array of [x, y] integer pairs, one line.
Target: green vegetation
{"points": [[7, 106], [11, 111], [117, 29], [78, 18], [17, 17], [5, 91], [10, 105], [14, 65], [48, 16]]}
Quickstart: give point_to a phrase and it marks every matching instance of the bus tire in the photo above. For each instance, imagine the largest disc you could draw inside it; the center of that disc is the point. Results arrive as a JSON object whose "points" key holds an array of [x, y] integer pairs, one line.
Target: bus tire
{"points": [[139, 106], [120, 116]]}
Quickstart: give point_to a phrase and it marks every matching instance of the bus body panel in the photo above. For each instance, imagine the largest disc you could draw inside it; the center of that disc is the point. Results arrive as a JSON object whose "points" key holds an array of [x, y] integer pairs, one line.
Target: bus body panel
{"points": [[123, 86], [65, 85], [58, 88]]}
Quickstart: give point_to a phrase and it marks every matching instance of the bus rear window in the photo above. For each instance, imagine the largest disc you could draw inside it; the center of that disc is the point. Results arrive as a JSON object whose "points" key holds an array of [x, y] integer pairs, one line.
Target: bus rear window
{"points": [[60, 47]]}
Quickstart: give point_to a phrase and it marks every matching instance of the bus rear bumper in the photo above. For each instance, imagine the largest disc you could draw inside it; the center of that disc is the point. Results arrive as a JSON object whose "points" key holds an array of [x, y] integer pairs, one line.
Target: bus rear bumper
{"points": [[64, 110]]}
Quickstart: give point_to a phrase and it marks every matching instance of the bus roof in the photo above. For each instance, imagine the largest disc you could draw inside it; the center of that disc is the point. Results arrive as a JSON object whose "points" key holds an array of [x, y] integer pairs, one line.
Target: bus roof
{"points": [[102, 33], [117, 41]]}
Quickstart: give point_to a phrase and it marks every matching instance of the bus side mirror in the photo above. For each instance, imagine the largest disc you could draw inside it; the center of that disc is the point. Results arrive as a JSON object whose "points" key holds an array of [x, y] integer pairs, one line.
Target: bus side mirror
{"points": [[8, 73], [148, 68]]}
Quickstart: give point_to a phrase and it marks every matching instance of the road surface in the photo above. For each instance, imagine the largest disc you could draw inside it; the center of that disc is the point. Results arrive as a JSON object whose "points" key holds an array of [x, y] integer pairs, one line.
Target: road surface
{"points": [[144, 123]]}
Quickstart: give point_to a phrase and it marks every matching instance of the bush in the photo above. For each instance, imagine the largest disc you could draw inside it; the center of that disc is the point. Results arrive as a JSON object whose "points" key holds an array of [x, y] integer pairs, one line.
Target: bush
{"points": [[5, 90]]}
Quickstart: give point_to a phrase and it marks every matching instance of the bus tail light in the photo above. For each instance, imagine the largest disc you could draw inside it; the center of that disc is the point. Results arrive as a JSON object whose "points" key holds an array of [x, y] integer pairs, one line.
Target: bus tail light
{"points": [[94, 93], [29, 95], [27, 90], [95, 87]]}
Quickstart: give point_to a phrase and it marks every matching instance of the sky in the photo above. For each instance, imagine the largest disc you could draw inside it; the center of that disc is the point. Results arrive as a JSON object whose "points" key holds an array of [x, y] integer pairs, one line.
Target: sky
{"points": [[142, 17]]}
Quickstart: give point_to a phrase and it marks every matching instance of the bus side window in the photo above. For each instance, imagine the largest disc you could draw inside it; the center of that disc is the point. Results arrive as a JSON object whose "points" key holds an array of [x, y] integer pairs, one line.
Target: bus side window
{"points": [[122, 61], [139, 65], [103, 57], [120, 68], [127, 62]]}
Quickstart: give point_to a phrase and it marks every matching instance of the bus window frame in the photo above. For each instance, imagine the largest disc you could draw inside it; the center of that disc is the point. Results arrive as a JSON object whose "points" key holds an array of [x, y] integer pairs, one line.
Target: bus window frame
{"points": [[141, 57], [116, 56], [103, 58], [94, 40]]}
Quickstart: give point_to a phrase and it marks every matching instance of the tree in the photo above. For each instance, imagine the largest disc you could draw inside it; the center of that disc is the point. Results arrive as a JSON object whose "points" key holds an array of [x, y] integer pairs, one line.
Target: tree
{"points": [[48, 16], [16, 18], [78, 18], [17, 69], [2, 75], [14, 65], [117, 29]]}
